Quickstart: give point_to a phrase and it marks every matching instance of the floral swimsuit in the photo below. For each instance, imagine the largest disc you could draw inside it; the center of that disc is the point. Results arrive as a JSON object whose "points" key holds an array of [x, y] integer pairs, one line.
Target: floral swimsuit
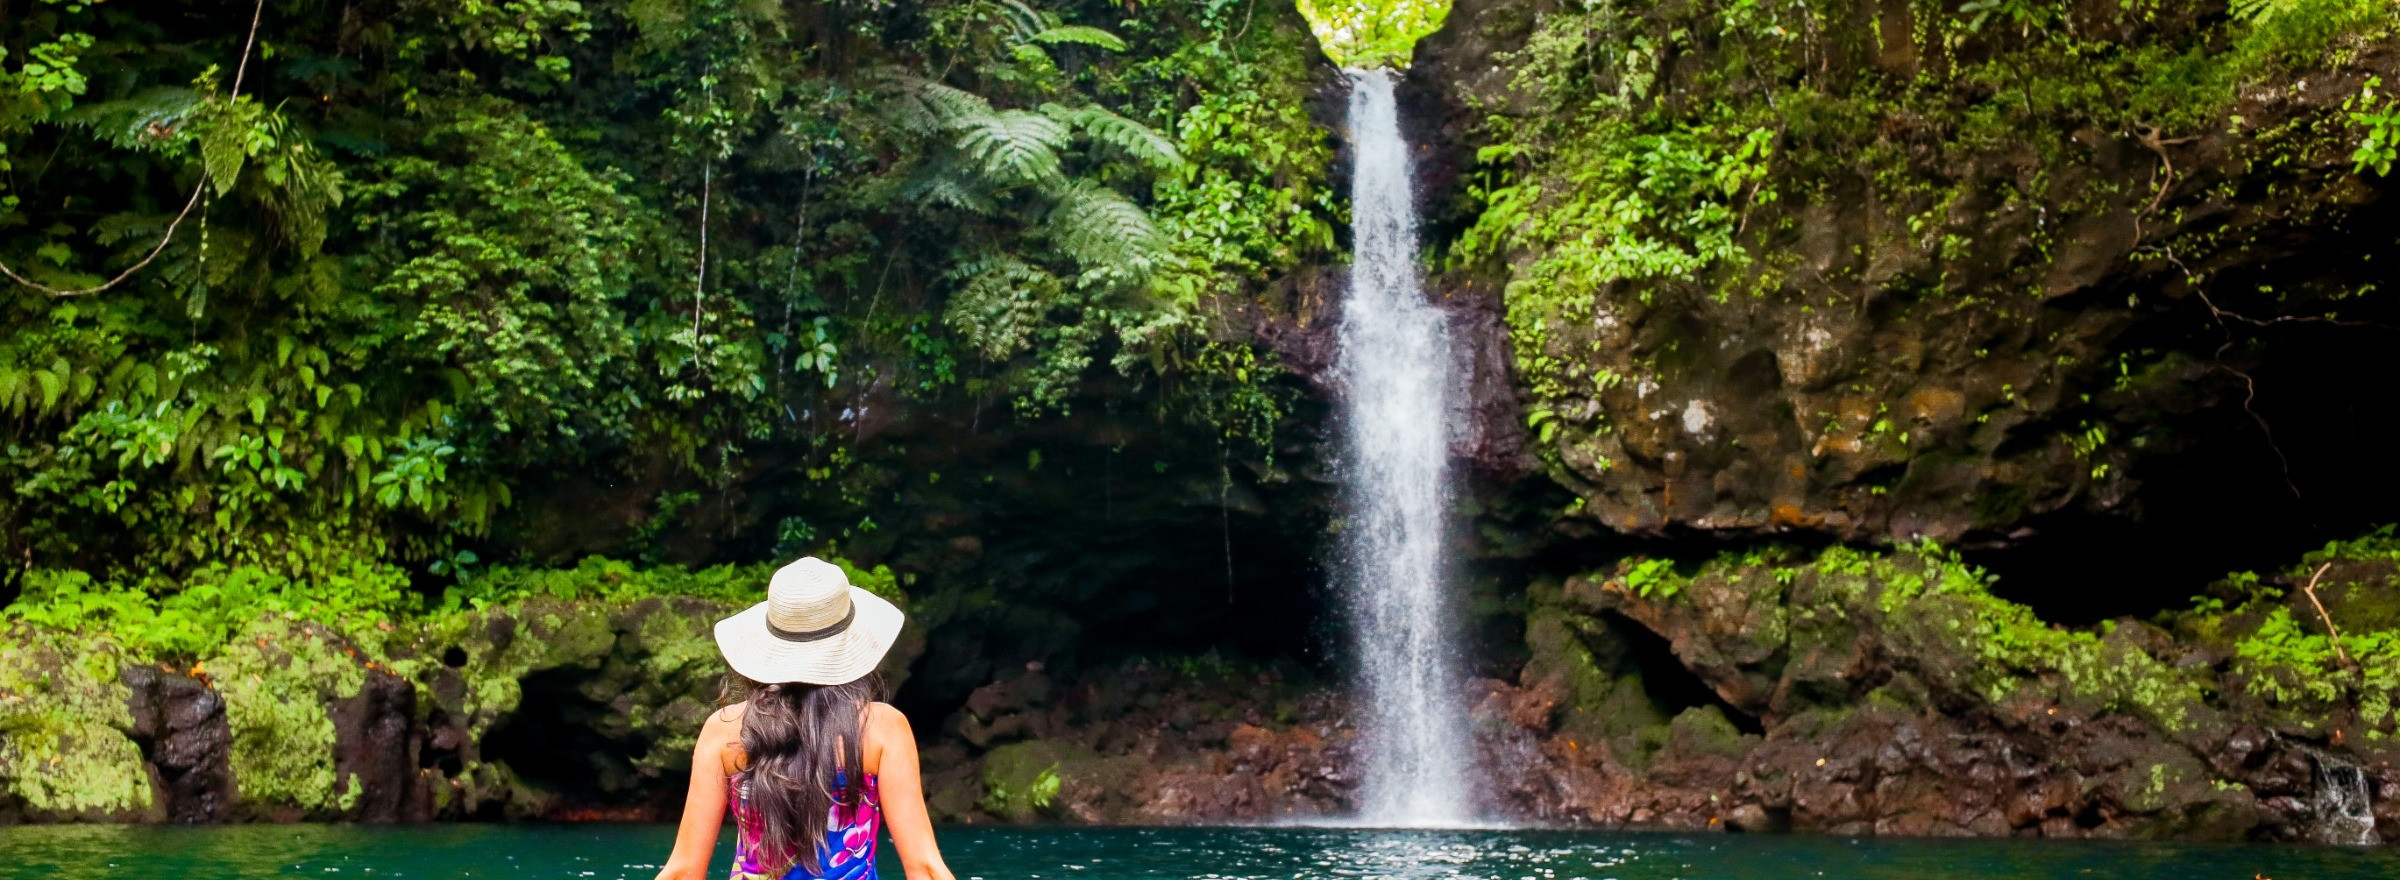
{"points": [[848, 852]]}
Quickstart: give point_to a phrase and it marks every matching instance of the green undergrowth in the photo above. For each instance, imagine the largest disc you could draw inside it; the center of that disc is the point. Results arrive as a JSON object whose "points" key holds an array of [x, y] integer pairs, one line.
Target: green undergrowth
{"points": [[2285, 654], [154, 619], [2253, 640], [282, 652]]}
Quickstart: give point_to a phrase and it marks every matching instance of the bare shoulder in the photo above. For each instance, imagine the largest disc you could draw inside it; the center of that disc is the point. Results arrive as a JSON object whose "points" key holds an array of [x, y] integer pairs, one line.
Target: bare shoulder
{"points": [[884, 719], [886, 730], [720, 740], [726, 720]]}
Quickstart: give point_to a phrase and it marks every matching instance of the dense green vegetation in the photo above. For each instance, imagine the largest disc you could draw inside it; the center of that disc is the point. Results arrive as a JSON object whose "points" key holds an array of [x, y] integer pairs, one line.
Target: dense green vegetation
{"points": [[1373, 33], [310, 300]]}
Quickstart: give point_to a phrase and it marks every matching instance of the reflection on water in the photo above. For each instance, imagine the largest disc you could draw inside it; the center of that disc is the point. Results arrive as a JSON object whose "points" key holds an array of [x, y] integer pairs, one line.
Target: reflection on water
{"points": [[610, 852]]}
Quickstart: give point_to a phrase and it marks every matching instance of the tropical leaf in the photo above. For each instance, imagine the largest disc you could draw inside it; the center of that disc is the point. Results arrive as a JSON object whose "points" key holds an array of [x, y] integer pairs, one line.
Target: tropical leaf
{"points": [[13, 385], [1023, 21], [923, 107], [1105, 233], [1080, 35], [53, 382], [221, 155], [306, 187], [940, 186], [1014, 146], [149, 120], [1139, 142], [1001, 305], [2260, 11]]}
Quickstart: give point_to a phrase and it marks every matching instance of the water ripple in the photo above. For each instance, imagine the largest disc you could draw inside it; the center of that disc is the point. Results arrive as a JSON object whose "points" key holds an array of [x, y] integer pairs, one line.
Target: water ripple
{"points": [[632, 852]]}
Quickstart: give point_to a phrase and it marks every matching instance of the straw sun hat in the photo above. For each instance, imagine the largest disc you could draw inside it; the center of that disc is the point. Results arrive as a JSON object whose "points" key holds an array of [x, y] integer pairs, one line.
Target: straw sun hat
{"points": [[814, 628]]}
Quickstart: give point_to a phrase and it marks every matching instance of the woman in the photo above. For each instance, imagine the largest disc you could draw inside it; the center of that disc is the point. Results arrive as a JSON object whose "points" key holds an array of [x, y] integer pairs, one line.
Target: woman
{"points": [[810, 763]]}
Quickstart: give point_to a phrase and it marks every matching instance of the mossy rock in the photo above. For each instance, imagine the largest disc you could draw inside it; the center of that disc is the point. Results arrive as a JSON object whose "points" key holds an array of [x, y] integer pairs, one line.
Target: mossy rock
{"points": [[1704, 730], [1022, 781], [497, 648], [65, 749], [1604, 697], [2181, 800], [278, 678], [954, 801]]}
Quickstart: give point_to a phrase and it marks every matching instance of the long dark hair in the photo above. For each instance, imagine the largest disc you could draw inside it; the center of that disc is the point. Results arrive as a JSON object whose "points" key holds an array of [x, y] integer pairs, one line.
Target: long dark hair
{"points": [[796, 739]]}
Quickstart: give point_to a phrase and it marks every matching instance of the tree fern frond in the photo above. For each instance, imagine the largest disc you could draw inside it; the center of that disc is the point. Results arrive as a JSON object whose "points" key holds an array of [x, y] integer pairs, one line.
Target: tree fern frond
{"points": [[1105, 233], [2260, 11], [309, 188], [940, 187], [1140, 142], [924, 107], [147, 120], [1026, 22], [1001, 306], [1080, 35], [1013, 146]]}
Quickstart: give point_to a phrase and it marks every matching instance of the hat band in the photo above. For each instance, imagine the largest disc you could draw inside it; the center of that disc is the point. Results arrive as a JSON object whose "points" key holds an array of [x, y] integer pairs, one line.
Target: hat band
{"points": [[815, 634]]}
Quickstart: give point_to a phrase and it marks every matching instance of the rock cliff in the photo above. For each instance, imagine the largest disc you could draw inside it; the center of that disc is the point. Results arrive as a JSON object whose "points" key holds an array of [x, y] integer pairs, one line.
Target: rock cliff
{"points": [[1950, 281]]}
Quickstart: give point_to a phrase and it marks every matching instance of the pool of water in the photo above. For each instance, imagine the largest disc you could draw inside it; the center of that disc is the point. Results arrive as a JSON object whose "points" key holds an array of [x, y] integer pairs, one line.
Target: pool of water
{"points": [[610, 852]]}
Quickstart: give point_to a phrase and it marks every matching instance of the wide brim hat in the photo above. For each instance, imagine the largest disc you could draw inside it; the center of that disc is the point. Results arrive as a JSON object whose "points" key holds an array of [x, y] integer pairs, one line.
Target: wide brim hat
{"points": [[814, 628]]}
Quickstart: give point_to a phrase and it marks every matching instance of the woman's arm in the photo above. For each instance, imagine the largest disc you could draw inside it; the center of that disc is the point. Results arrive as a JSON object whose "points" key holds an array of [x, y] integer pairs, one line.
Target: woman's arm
{"points": [[704, 806], [891, 754]]}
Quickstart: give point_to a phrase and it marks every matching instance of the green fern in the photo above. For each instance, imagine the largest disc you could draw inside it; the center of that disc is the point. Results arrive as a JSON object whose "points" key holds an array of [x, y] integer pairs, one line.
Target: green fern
{"points": [[1105, 233], [1001, 305], [923, 107], [1139, 142], [1013, 146], [1080, 35], [939, 185], [305, 187], [2260, 11], [147, 121], [1023, 21]]}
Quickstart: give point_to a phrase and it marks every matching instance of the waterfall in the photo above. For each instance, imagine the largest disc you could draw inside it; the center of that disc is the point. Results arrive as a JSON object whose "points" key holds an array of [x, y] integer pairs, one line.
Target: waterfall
{"points": [[1395, 362], [2345, 808]]}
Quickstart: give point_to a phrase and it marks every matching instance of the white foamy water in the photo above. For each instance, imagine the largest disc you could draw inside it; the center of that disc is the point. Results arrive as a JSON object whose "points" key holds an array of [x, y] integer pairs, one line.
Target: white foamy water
{"points": [[2343, 802], [1394, 360]]}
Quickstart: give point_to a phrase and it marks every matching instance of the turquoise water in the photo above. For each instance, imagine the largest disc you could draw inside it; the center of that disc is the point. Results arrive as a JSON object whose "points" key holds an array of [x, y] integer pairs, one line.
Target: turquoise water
{"points": [[610, 852]]}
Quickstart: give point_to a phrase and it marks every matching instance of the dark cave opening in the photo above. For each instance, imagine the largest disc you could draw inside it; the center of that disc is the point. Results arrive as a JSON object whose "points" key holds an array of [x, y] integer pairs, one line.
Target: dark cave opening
{"points": [[564, 741], [1670, 685], [2288, 449]]}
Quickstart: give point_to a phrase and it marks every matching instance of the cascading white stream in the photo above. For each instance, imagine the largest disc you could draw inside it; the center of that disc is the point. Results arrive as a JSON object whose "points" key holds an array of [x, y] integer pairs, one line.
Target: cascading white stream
{"points": [[1395, 362], [2343, 802]]}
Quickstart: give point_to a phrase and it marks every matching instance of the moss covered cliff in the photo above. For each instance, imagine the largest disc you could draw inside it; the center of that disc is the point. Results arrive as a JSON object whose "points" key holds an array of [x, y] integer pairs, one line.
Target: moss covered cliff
{"points": [[1901, 270]]}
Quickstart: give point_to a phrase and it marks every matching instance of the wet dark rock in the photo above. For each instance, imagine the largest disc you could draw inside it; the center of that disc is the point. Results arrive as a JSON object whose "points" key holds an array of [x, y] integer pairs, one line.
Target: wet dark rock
{"points": [[179, 723], [1142, 744], [1833, 705], [376, 741]]}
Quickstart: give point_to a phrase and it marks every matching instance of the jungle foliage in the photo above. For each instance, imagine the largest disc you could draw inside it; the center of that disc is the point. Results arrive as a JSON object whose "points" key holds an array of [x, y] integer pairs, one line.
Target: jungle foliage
{"points": [[435, 253], [1373, 33]]}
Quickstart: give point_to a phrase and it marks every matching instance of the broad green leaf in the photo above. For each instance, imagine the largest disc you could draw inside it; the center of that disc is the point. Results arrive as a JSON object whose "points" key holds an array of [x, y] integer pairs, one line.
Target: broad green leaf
{"points": [[1081, 35]]}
